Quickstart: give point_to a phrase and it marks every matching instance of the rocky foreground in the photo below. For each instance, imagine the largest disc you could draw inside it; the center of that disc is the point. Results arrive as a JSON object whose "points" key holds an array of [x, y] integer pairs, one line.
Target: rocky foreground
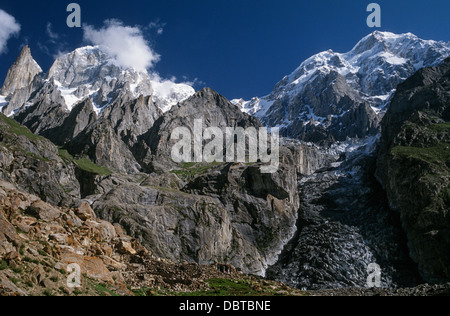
{"points": [[38, 241]]}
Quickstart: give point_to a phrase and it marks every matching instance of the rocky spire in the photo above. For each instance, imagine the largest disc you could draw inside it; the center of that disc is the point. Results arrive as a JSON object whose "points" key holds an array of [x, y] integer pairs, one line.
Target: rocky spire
{"points": [[22, 73]]}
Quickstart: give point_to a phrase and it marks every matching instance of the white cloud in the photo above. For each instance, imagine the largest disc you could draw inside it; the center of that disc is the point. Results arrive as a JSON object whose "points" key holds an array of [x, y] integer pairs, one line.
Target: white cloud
{"points": [[157, 26], [125, 43], [8, 27], [53, 36]]}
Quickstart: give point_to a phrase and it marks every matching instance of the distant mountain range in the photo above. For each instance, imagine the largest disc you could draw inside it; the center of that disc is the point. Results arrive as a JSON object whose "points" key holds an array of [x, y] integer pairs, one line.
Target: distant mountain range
{"points": [[332, 96], [84, 73]]}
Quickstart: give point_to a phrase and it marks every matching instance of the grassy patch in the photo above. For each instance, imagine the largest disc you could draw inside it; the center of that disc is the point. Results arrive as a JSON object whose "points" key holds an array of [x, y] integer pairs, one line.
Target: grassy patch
{"points": [[17, 270], [29, 260], [15, 128], [48, 292], [22, 250], [64, 155], [3, 265], [190, 171], [87, 165], [84, 164], [103, 290], [439, 154], [440, 128], [218, 287]]}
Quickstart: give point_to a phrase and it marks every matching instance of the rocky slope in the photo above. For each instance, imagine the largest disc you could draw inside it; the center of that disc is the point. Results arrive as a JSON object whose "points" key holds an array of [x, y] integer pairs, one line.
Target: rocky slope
{"points": [[206, 212], [33, 164], [345, 225], [413, 166], [332, 96], [315, 223], [39, 241]]}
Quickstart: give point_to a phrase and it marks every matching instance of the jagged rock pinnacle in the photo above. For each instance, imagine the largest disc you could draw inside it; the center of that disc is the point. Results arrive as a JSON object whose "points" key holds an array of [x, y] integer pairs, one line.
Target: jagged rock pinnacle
{"points": [[22, 73]]}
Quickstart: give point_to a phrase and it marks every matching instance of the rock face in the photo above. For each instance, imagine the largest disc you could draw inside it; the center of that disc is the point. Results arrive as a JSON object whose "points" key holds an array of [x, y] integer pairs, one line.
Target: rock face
{"points": [[332, 96], [20, 81], [89, 106], [206, 212], [38, 242], [319, 231], [230, 214], [33, 164], [344, 226], [413, 166], [207, 105]]}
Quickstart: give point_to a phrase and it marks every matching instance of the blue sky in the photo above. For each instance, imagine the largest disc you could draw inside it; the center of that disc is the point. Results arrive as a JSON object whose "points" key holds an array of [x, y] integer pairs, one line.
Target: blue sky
{"points": [[240, 48]]}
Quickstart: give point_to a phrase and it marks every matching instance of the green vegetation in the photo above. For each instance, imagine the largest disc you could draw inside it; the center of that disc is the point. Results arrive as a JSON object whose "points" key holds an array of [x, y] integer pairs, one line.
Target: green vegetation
{"points": [[15, 128], [3, 265], [42, 252], [89, 166], [48, 293], [84, 164], [191, 170], [219, 287], [17, 270], [29, 260], [22, 250], [16, 281], [440, 128], [103, 290], [64, 154], [438, 155]]}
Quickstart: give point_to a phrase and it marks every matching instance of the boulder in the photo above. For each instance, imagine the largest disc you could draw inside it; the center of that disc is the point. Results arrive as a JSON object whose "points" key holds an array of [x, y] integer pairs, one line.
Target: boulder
{"points": [[43, 211], [125, 248], [85, 212], [91, 266]]}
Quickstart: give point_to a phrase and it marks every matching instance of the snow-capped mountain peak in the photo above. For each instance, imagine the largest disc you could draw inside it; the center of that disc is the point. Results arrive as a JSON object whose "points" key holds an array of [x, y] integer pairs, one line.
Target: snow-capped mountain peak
{"points": [[331, 85], [90, 72]]}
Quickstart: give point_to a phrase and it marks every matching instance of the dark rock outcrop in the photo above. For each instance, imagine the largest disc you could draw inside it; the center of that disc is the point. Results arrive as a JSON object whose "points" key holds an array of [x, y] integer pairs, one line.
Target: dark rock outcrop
{"points": [[34, 165], [414, 166], [207, 105], [344, 226]]}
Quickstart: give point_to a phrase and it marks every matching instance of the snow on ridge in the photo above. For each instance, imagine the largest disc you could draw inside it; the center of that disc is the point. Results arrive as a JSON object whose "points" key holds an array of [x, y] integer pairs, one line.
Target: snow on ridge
{"points": [[89, 66], [167, 93], [3, 102], [376, 54]]}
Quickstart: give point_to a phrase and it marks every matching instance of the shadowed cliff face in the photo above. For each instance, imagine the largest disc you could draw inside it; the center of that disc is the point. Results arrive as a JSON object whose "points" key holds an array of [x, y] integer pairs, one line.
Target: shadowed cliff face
{"points": [[413, 166], [344, 225], [34, 165]]}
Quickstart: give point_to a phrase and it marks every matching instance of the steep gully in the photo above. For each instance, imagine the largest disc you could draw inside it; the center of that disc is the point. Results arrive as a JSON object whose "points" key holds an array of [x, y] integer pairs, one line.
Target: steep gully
{"points": [[345, 224]]}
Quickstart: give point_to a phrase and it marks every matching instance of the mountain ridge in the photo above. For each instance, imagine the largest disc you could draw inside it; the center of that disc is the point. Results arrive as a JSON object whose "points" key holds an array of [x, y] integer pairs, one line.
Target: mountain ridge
{"points": [[88, 72], [320, 99]]}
